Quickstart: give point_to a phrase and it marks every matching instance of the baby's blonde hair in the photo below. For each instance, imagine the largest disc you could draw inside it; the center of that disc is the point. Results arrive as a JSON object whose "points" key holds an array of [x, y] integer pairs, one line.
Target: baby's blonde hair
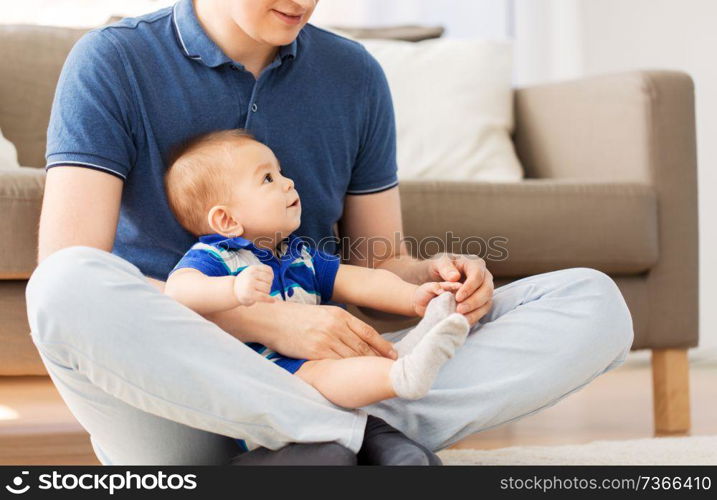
{"points": [[196, 179]]}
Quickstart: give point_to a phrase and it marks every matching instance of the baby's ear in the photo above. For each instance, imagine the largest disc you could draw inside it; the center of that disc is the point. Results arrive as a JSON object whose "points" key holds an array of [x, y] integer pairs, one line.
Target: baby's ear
{"points": [[221, 221]]}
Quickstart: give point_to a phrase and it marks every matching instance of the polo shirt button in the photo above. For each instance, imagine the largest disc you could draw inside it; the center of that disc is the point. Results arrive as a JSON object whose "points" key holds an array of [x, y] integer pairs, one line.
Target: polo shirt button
{"points": [[290, 292], [254, 107]]}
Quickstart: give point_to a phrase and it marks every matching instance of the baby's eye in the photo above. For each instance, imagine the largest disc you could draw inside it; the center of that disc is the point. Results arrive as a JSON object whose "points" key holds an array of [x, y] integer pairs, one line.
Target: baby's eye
{"points": [[268, 176]]}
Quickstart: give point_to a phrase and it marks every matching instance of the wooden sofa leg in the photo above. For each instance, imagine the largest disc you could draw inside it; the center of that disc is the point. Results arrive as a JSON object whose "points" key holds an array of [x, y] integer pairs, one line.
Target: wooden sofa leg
{"points": [[671, 391]]}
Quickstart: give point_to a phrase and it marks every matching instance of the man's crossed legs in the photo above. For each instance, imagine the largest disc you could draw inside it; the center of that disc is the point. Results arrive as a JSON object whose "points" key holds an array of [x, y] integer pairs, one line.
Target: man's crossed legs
{"points": [[155, 383]]}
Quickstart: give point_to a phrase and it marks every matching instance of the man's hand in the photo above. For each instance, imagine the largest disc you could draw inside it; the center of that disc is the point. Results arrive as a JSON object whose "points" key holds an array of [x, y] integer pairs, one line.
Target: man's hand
{"points": [[428, 291], [253, 284], [326, 332], [475, 295]]}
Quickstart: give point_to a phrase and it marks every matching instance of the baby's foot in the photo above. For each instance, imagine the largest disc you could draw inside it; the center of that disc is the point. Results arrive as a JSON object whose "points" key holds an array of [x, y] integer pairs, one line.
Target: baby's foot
{"points": [[413, 374], [438, 308]]}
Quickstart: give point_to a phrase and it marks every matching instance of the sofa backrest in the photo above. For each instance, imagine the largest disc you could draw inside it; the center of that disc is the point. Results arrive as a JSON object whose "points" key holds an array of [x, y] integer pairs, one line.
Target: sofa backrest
{"points": [[32, 58]]}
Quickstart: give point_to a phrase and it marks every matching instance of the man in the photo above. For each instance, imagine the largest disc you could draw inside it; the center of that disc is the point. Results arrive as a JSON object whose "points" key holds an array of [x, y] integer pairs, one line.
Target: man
{"points": [[155, 383]]}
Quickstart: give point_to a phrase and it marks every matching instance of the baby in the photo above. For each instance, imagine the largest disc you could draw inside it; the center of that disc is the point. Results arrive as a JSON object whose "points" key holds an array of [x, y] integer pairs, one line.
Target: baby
{"points": [[227, 188]]}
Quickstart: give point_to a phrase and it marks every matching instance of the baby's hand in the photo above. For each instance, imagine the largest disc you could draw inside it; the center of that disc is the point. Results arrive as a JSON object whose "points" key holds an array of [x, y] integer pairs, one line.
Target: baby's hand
{"points": [[427, 291], [253, 284]]}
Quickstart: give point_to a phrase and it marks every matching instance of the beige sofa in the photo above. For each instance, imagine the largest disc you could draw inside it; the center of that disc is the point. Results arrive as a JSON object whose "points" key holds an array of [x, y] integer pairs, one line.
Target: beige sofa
{"points": [[611, 184]]}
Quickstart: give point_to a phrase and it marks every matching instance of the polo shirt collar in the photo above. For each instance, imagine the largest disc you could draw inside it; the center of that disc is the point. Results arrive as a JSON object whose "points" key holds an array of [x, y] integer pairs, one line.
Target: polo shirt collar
{"points": [[196, 44], [291, 251]]}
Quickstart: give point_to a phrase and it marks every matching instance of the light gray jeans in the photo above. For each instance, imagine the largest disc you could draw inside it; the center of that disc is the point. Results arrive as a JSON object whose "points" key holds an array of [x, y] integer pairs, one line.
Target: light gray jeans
{"points": [[155, 383]]}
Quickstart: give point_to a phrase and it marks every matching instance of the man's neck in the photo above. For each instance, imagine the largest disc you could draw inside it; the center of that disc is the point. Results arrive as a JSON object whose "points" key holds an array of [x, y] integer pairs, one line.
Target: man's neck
{"points": [[234, 42]]}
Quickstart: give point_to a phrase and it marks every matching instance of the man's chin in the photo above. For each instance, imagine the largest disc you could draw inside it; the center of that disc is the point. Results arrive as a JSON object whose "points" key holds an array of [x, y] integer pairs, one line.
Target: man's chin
{"points": [[282, 35]]}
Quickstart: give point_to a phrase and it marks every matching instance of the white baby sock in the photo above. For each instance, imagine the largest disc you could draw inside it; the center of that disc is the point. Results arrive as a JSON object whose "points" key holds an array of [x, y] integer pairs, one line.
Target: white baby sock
{"points": [[438, 308], [413, 375]]}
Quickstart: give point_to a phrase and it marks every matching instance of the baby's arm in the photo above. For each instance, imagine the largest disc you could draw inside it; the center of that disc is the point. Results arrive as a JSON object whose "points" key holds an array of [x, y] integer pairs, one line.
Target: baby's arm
{"points": [[385, 291], [210, 294]]}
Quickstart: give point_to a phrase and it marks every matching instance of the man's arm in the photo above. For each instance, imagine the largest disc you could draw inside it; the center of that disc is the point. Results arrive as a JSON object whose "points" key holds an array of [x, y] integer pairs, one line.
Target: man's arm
{"points": [[374, 220], [66, 220], [80, 207]]}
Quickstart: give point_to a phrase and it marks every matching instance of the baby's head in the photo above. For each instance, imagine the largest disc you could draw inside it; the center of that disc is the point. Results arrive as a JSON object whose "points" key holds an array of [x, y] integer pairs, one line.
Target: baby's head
{"points": [[229, 183]]}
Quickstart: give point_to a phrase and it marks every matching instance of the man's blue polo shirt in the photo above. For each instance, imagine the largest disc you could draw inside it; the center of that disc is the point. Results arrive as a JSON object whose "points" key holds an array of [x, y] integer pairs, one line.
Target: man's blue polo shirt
{"points": [[130, 92]]}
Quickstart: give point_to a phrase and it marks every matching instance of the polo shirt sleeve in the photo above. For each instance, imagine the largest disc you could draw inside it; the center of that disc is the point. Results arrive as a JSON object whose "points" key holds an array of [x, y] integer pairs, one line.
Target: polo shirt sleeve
{"points": [[92, 112], [375, 168], [204, 260], [326, 266]]}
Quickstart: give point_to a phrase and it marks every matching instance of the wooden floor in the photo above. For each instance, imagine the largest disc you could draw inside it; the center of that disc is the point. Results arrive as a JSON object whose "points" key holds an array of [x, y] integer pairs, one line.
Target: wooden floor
{"points": [[37, 428]]}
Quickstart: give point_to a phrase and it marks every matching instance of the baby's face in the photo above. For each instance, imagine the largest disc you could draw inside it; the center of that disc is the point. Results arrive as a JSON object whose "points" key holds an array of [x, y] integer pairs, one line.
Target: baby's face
{"points": [[263, 201]]}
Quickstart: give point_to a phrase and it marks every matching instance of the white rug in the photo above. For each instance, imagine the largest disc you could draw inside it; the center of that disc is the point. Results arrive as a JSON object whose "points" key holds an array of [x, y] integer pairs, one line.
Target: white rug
{"points": [[693, 450]]}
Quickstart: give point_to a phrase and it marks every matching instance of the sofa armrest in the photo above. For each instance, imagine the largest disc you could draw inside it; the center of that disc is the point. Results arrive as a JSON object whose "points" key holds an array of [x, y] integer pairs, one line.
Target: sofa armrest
{"points": [[635, 127], [21, 192]]}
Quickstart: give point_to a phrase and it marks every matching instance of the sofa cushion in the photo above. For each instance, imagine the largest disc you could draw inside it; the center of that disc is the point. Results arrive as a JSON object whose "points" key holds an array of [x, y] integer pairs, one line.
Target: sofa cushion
{"points": [[544, 224], [8, 153], [20, 203], [453, 101]]}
